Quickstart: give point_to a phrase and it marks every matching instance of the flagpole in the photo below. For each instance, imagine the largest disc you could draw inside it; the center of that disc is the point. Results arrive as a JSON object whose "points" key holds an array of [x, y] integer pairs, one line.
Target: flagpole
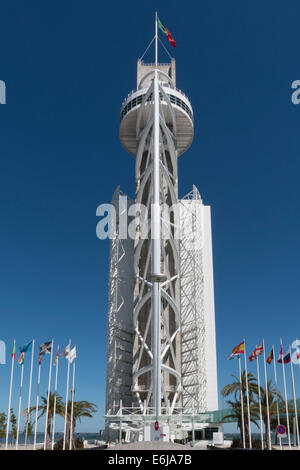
{"points": [[72, 405], [295, 403], [37, 403], [20, 402], [29, 393], [276, 383], [242, 404], [156, 40], [247, 393], [277, 399], [10, 390], [54, 407], [267, 397], [48, 396], [66, 405], [285, 394], [259, 401]]}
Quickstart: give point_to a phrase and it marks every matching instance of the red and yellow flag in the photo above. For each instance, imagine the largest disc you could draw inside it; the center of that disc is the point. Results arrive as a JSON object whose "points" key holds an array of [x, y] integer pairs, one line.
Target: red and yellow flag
{"points": [[270, 357], [239, 349], [56, 357]]}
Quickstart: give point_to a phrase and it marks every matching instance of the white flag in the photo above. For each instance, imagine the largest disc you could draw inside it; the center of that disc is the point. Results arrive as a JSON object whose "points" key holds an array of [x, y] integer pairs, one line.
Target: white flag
{"points": [[66, 351], [72, 355]]}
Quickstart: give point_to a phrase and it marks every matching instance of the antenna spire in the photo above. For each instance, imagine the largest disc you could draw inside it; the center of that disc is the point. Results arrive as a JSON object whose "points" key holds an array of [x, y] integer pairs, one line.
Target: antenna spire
{"points": [[156, 39]]}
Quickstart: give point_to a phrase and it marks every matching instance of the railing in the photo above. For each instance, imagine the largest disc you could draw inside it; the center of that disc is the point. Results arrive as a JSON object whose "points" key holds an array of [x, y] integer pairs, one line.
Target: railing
{"points": [[134, 91], [128, 106], [137, 414], [150, 64]]}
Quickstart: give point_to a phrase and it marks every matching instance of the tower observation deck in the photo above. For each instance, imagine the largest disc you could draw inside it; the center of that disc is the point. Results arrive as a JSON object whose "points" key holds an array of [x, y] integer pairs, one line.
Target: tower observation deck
{"points": [[176, 107], [161, 356]]}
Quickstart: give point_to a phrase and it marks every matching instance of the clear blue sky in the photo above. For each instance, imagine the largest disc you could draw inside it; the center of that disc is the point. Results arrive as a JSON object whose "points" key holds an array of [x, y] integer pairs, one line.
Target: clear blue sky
{"points": [[68, 66]]}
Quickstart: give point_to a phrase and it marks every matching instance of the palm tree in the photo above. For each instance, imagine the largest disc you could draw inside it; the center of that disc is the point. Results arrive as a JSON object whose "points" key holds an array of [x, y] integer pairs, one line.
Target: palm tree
{"points": [[272, 395], [43, 408], [235, 414], [235, 388], [81, 409]]}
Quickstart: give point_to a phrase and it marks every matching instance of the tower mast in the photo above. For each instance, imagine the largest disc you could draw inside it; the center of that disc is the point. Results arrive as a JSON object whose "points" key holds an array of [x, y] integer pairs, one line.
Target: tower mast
{"points": [[156, 255], [156, 40]]}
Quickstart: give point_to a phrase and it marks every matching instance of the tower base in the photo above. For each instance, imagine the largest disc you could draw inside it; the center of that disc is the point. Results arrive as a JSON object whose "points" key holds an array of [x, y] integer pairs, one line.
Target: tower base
{"points": [[162, 434]]}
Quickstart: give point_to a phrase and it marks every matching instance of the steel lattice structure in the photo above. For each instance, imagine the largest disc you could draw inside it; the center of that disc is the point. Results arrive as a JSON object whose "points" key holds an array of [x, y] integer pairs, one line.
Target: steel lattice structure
{"points": [[120, 331], [193, 354], [143, 365], [161, 356]]}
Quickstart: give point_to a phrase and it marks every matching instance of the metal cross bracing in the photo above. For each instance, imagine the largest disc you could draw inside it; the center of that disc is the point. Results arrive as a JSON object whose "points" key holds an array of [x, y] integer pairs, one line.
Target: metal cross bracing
{"points": [[169, 318], [193, 357], [119, 342]]}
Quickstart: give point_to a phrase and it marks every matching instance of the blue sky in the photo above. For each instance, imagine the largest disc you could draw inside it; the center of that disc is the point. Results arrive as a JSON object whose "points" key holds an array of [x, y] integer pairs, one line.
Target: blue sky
{"points": [[67, 67]]}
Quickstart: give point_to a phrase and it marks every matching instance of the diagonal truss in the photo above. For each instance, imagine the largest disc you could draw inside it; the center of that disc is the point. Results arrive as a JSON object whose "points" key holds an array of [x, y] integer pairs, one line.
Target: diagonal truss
{"points": [[194, 379], [119, 339], [169, 318]]}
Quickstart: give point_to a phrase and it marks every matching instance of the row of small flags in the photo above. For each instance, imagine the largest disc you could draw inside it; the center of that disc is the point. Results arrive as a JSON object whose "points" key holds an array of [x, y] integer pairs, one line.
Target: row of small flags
{"points": [[240, 349], [45, 348], [282, 359]]}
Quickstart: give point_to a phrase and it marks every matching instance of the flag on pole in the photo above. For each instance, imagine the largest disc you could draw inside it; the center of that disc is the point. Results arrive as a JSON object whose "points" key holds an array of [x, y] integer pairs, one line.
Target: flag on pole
{"points": [[297, 351], [66, 351], [56, 357], [287, 358], [252, 357], [13, 353], [45, 348], [72, 355], [257, 352], [270, 357], [280, 355], [23, 350], [21, 359], [284, 358], [239, 349], [26, 347], [166, 32]]}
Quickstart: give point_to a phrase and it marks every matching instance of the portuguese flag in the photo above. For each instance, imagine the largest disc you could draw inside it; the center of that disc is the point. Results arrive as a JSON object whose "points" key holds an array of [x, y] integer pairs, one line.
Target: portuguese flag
{"points": [[13, 353], [166, 32]]}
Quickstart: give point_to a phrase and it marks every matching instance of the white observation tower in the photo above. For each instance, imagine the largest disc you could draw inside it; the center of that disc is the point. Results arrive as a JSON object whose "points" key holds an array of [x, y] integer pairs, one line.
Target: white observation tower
{"points": [[161, 344]]}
